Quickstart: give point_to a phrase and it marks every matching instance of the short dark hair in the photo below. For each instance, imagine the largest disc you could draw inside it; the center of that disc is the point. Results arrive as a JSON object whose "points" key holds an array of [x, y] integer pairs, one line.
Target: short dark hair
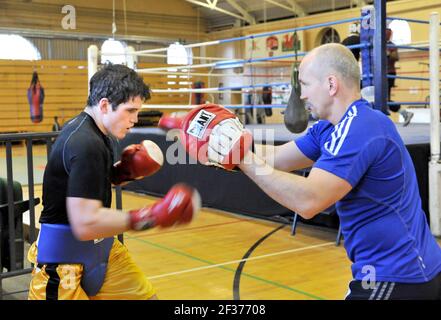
{"points": [[118, 84]]}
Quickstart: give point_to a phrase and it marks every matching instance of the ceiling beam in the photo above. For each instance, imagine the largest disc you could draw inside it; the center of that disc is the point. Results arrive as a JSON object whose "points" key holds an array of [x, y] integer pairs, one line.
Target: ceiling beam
{"points": [[244, 12], [212, 6], [283, 6], [298, 9], [278, 4]]}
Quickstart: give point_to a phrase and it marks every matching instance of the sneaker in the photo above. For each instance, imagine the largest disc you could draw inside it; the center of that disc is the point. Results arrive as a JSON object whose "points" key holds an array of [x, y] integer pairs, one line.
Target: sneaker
{"points": [[407, 117]]}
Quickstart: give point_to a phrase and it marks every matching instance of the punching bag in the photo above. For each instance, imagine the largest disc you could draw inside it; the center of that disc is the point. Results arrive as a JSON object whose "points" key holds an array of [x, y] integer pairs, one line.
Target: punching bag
{"points": [[267, 99], [295, 116], [198, 97], [36, 99]]}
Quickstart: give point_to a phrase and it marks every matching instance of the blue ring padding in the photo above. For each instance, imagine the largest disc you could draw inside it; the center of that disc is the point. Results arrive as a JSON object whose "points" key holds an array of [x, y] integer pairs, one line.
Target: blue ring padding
{"points": [[359, 46], [366, 53]]}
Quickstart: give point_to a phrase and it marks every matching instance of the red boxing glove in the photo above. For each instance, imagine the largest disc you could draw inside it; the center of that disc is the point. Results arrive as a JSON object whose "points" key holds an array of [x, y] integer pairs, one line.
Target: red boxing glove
{"points": [[137, 161], [170, 122], [211, 134], [179, 206]]}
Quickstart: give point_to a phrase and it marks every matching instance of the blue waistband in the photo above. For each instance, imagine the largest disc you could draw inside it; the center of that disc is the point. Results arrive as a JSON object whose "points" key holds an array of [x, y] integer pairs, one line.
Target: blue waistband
{"points": [[57, 244]]}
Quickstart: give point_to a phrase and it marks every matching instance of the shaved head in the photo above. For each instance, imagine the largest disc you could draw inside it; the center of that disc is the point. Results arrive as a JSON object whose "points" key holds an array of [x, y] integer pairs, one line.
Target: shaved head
{"points": [[333, 59]]}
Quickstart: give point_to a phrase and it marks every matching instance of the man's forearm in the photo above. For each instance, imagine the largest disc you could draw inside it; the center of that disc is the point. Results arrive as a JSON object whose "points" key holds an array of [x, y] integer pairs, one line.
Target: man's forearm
{"points": [[94, 222], [290, 190]]}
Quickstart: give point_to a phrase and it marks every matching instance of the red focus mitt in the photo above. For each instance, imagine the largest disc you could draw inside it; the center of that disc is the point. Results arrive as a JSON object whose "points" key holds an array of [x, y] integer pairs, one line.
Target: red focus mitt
{"points": [[211, 134]]}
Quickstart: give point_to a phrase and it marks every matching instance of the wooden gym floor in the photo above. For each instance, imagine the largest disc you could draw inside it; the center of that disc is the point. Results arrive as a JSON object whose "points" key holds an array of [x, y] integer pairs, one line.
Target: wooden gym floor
{"points": [[205, 260], [226, 256]]}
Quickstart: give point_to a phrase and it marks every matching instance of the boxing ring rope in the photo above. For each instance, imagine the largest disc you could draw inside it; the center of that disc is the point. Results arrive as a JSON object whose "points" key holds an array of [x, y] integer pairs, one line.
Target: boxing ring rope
{"points": [[223, 64], [158, 55], [277, 84], [253, 36], [407, 47], [237, 62], [407, 77], [407, 103], [232, 63], [219, 74], [371, 61], [228, 106], [398, 77], [409, 20]]}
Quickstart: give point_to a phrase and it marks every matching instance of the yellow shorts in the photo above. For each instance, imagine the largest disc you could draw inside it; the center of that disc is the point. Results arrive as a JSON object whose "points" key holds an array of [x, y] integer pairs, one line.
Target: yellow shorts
{"points": [[123, 280]]}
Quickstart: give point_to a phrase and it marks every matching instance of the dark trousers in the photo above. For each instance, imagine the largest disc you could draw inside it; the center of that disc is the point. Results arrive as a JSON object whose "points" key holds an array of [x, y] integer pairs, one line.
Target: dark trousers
{"points": [[396, 291]]}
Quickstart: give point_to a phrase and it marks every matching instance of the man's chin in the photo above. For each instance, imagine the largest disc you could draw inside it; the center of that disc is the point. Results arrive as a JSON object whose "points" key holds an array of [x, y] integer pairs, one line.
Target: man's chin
{"points": [[121, 135]]}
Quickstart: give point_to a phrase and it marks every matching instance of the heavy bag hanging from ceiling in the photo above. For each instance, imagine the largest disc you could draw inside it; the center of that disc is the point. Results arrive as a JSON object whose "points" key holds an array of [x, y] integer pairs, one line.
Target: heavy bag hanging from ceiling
{"points": [[295, 116], [36, 99]]}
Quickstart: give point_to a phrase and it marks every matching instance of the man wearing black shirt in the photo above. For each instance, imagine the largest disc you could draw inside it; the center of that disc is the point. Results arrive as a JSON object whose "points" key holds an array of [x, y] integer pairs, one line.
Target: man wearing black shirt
{"points": [[76, 255]]}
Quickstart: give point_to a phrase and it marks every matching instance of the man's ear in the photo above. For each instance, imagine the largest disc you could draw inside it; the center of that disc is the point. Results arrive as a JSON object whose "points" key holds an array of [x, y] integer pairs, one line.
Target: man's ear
{"points": [[332, 85], [104, 105]]}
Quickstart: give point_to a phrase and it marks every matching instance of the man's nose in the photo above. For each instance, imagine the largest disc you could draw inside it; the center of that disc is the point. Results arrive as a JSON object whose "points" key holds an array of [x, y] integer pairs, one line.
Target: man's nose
{"points": [[135, 118]]}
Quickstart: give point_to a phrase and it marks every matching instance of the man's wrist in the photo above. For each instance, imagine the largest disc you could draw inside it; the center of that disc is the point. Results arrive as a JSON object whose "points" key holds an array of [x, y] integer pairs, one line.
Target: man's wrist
{"points": [[254, 166]]}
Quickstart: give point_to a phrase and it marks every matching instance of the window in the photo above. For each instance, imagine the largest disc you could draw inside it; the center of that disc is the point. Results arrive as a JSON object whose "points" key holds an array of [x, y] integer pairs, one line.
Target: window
{"points": [[401, 34], [16, 47], [178, 54], [329, 35], [113, 51]]}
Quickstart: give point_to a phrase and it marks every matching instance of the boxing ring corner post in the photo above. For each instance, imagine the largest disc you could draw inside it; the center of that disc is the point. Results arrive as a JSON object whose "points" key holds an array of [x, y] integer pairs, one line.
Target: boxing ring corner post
{"points": [[380, 102], [434, 163]]}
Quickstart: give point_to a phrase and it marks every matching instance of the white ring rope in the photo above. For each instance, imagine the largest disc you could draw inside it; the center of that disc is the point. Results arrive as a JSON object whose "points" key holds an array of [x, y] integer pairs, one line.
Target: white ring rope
{"points": [[197, 74], [220, 89], [210, 65], [192, 106], [160, 55], [220, 74], [194, 45]]}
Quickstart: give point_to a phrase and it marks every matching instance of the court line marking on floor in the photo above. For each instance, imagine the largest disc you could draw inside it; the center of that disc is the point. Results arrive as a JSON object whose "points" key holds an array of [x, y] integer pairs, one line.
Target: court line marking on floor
{"points": [[160, 233], [222, 265], [240, 260], [247, 255]]}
